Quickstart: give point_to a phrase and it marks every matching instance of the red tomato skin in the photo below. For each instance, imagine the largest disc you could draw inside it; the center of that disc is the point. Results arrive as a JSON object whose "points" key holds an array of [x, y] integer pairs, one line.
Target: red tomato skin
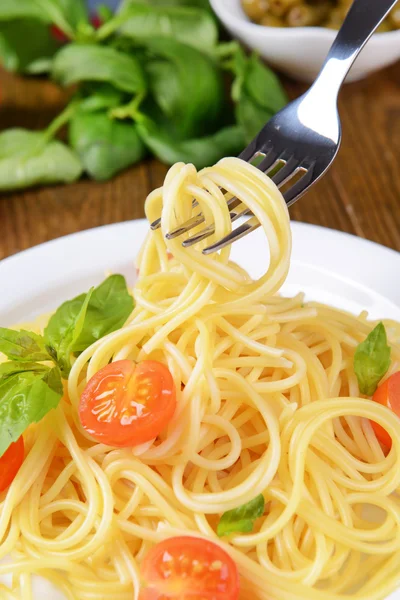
{"points": [[128, 431], [387, 394], [96, 21], [10, 463], [179, 569], [58, 34]]}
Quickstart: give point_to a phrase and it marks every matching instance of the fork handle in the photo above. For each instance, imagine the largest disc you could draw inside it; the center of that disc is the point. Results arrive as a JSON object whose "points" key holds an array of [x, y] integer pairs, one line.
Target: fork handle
{"points": [[361, 21]]}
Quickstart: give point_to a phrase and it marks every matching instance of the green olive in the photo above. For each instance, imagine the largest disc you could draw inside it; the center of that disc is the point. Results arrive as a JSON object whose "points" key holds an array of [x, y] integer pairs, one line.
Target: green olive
{"points": [[255, 9]]}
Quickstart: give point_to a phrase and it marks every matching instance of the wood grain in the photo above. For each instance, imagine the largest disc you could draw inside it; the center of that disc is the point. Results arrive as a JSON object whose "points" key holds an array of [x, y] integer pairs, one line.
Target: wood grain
{"points": [[360, 194]]}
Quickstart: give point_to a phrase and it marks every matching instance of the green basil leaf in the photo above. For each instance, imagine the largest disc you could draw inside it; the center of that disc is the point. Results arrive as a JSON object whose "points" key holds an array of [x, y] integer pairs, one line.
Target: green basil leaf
{"points": [[372, 360], [75, 11], [25, 42], [196, 3], [27, 158], [20, 142], [108, 309], [39, 66], [71, 335], [80, 322], [241, 519], [86, 62], [257, 92], [23, 345], [185, 24], [100, 96], [105, 13], [9, 368], [202, 152], [65, 327], [186, 85], [25, 398], [22, 9], [105, 146], [66, 14]]}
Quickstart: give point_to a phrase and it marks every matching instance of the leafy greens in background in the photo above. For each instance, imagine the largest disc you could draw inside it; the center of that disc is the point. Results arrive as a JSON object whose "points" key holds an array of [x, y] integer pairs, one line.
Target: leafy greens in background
{"points": [[153, 78], [31, 380], [30, 158], [26, 45], [104, 145]]}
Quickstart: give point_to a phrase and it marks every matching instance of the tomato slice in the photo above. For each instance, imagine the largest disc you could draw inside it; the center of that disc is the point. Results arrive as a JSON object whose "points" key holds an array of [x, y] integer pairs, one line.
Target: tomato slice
{"points": [[126, 404], [10, 463], [189, 568], [387, 394]]}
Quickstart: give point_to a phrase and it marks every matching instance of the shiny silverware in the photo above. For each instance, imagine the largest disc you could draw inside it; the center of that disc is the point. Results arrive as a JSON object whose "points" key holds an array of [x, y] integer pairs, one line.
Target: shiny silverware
{"points": [[298, 145]]}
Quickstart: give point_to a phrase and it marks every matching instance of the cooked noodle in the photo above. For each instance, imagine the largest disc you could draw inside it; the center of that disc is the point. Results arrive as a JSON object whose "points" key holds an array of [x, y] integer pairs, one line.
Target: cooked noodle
{"points": [[268, 402]]}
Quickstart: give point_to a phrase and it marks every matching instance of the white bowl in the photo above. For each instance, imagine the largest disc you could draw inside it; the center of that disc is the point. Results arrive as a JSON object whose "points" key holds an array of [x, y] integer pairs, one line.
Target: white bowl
{"points": [[300, 51]]}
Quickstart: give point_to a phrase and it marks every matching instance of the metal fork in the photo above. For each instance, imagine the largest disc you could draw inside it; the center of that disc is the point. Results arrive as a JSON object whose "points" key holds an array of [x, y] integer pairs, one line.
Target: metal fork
{"points": [[299, 144]]}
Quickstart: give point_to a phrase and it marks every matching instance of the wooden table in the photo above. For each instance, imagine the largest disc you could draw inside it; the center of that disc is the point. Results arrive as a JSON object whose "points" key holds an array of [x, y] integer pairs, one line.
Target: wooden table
{"points": [[360, 194]]}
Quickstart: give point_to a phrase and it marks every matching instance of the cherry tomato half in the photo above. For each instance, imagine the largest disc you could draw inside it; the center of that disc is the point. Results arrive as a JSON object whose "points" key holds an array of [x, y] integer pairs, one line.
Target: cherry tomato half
{"points": [[10, 463], [387, 394], [126, 404], [189, 568]]}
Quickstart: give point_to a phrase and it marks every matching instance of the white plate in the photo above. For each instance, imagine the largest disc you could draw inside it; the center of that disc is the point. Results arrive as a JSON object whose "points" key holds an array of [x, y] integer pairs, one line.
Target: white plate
{"points": [[331, 267]]}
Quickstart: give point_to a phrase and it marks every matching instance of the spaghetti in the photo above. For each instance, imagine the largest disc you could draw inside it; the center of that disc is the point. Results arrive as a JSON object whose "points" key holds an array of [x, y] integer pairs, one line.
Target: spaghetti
{"points": [[267, 403]]}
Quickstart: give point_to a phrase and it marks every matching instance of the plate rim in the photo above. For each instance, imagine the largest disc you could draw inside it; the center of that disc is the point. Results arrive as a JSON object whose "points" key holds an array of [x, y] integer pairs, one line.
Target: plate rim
{"points": [[122, 224]]}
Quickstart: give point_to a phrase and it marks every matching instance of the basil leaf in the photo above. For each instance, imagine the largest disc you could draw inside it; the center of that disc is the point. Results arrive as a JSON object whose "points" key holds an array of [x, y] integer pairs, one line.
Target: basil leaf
{"points": [[80, 322], [257, 92], [86, 62], [66, 14], [197, 3], [100, 96], [104, 12], [25, 42], [22, 345], [202, 152], [21, 9], [372, 360], [105, 146], [27, 158], [108, 309], [65, 327], [12, 367], [241, 519], [71, 335], [75, 11], [25, 398], [188, 25], [186, 85], [20, 142]]}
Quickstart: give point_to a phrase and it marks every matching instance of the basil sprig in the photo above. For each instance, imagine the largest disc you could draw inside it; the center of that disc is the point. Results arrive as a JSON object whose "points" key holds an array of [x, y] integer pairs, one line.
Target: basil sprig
{"points": [[31, 380]]}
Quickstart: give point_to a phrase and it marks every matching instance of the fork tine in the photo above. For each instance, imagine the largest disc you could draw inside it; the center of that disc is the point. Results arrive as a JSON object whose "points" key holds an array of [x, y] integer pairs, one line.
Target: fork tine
{"points": [[286, 172], [250, 152], [185, 227], [197, 220], [205, 233], [298, 189], [283, 175], [250, 225], [268, 162], [157, 223]]}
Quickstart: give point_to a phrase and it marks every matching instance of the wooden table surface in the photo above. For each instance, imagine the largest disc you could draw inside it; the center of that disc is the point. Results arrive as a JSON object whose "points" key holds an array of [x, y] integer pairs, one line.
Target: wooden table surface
{"points": [[360, 194]]}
